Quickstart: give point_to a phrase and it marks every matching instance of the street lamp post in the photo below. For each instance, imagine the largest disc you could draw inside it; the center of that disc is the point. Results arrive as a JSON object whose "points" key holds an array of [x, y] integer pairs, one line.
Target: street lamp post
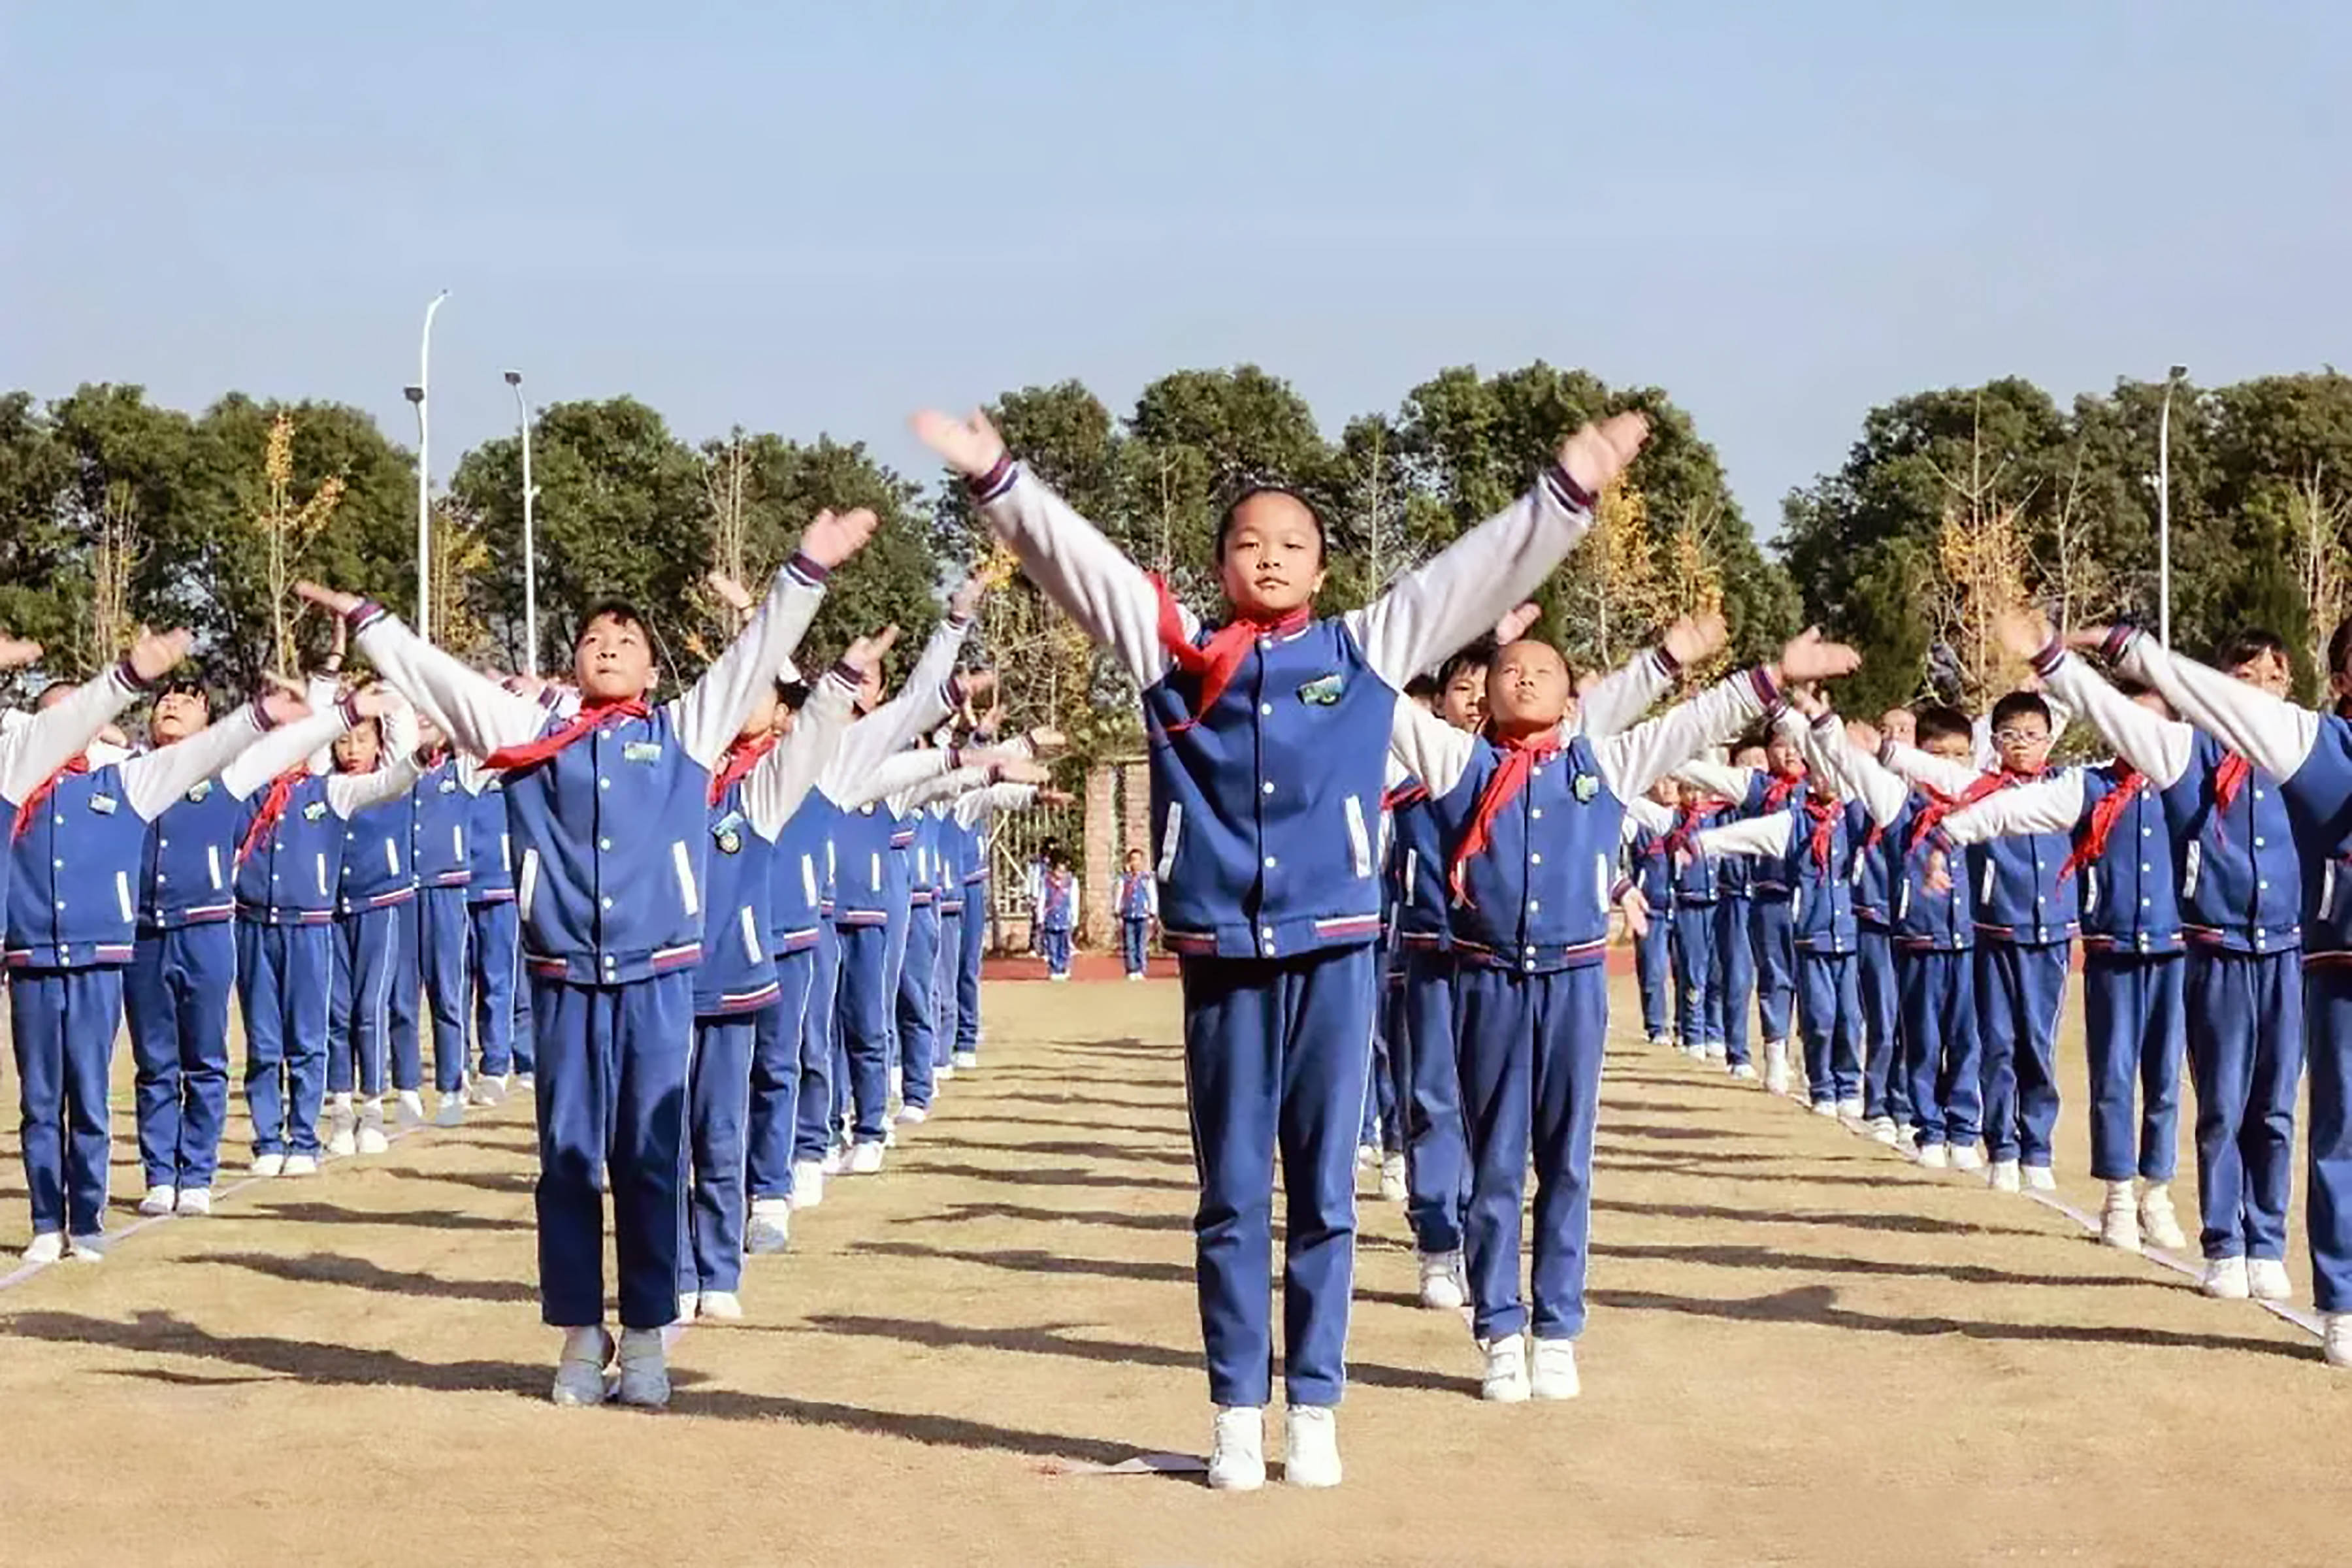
{"points": [[529, 555], [2164, 508], [417, 394]]}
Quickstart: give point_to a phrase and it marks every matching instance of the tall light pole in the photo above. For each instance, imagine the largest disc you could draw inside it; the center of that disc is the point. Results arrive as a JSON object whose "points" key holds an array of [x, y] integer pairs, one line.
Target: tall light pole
{"points": [[417, 394], [2164, 508], [529, 555]]}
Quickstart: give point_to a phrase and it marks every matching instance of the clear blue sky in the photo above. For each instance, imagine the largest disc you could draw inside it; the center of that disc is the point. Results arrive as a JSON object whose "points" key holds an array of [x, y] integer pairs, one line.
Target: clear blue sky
{"points": [[817, 217]]}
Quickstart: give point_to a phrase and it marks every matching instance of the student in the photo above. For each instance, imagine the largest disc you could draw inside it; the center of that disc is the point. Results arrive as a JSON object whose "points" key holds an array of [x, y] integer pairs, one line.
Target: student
{"points": [[494, 941], [1269, 756], [609, 808], [2242, 911], [1532, 821], [1692, 894], [2311, 755], [977, 811], [1777, 788], [1138, 902], [2026, 920], [1815, 848], [1057, 915], [440, 813], [1878, 984], [2124, 816], [1731, 991], [373, 928], [1649, 868], [290, 950]]}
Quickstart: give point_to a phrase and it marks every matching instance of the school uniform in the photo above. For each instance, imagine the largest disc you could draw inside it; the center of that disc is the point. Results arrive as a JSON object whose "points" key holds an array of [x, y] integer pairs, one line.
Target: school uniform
{"points": [[375, 961], [738, 991], [1935, 934], [75, 849], [33, 746], [1137, 901], [953, 856], [610, 811], [441, 818], [1692, 888], [1649, 870], [1878, 985], [2027, 917], [918, 966], [1531, 835], [177, 992], [1058, 913], [494, 936], [1268, 762], [1731, 988], [289, 862]]}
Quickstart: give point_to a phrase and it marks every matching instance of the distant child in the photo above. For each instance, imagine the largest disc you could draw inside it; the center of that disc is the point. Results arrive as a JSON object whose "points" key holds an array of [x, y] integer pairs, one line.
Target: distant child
{"points": [[1057, 915], [1139, 904]]}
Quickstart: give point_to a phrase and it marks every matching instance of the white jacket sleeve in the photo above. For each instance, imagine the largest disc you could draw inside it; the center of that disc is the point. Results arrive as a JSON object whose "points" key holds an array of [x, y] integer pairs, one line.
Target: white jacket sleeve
{"points": [[781, 779], [1766, 835], [1069, 560], [1940, 773], [480, 715], [891, 776], [1884, 793], [1620, 698], [2053, 805], [1718, 778], [1642, 812], [1642, 756], [929, 695], [287, 746], [711, 712], [350, 794], [2159, 747], [1432, 749], [2275, 736], [55, 735], [152, 781]]}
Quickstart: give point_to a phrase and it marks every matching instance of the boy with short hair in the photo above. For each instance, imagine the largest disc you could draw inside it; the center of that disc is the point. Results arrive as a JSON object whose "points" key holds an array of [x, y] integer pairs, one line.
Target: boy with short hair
{"points": [[1057, 916], [1139, 900]]}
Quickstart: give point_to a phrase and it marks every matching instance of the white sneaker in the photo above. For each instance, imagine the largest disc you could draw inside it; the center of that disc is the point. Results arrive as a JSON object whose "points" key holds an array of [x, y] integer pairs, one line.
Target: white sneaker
{"points": [[88, 1249], [808, 1183], [1850, 1108], [372, 1141], [1932, 1157], [160, 1200], [890, 1130], [645, 1369], [412, 1109], [196, 1201], [1554, 1376], [453, 1110], [1367, 1157], [1776, 1066], [2158, 1223], [2040, 1179], [2266, 1280], [301, 1165], [687, 1301], [2119, 1218], [1745, 1072], [1662, 1042], [525, 1081], [1966, 1157], [1881, 1131], [1696, 1050], [1906, 1141], [341, 1123], [2002, 1177], [1825, 1108], [487, 1090], [1237, 1450], [2225, 1279], [943, 1072], [2335, 1337], [46, 1247], [913, 1115], [1506, 1380], [580, 1374], [722, 1306], [1311, 1456], [1717, 1051], [966, 1061], [769, 1228], [865, 1159], [269, 1164], [1440, 1281], [835, 1161], [1392, 1178]]}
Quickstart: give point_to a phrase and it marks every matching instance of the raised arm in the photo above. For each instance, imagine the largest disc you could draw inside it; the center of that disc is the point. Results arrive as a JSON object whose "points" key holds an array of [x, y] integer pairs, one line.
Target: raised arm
{"points": [[350, 794], [1642, 756], [1642, 812], [1884, 793], [1430, 748], [153, 780], [479, 714], [2055, 805], [973, 807], [286, 747], [1718, 779], [2159, 747], [2273, 735], [1766, 835], [57, 734], [892, 776], [1941, 774], [1618, 699], [784, 776], [711, 712], [932, 692]]}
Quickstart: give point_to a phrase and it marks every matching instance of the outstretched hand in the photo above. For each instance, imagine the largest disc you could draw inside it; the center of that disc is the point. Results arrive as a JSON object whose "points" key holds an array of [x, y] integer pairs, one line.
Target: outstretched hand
{"points": [[970, 446], [1693, 640], [834, 538], [1597, 453], [156, 654], [1939, 874], [1057, 797], [1022, 770], [980, 690], [334, 601], [2024, 632], [17, 652], [1811, 657], [1863, 737], [964, 603], [729, 592], [1514, 626], [864, 655], [1636, 911], [280, 700], [374, 699]]}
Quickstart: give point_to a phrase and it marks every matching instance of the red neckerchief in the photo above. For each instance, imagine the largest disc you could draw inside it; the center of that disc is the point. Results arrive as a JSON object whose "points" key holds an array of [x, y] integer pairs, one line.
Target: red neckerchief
{"points": [[1941, 805], [1217, 661], [1825, 815], [272, 808], [1409, 793], [741, 759], [1682, 837], [1781, 788], [1519, 758], [42, 792], [2228, 779], [2091, 842], [530, 753]]}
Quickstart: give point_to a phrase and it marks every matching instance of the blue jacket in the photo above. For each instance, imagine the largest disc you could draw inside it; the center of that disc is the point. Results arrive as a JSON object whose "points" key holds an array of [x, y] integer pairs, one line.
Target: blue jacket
{"points": [[377, 871], [801, 874], [2240, 880], [738, 971], [441, 823], [2130, 894], [490, 855], [70, 903]]}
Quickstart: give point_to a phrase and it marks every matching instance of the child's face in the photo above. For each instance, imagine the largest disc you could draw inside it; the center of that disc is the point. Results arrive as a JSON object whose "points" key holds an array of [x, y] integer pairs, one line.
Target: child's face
{"points": [[2267, 671], [1784, 755], [355, 750], [1951, 748], [1667, 792], [177, 716], [1751, 757], [1273, 559], [1900, 726], [1135, 863], [1527, 688], [1463, 703], [613, 661], [2023, 742]]}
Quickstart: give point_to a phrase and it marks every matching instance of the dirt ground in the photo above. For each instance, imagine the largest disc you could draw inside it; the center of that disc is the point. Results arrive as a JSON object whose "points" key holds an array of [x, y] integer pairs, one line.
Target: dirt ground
{"points": [[1801, 1350]]}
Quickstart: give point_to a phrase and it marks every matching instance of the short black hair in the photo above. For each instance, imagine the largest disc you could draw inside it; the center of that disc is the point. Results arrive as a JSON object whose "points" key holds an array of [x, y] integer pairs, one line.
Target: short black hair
{"points": [[792, 694], [1250, 492], [183, 686], [1423, 688], [1941, 721], [620, 610], [2246, 645], [1478, 654], [2021, 705]]}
